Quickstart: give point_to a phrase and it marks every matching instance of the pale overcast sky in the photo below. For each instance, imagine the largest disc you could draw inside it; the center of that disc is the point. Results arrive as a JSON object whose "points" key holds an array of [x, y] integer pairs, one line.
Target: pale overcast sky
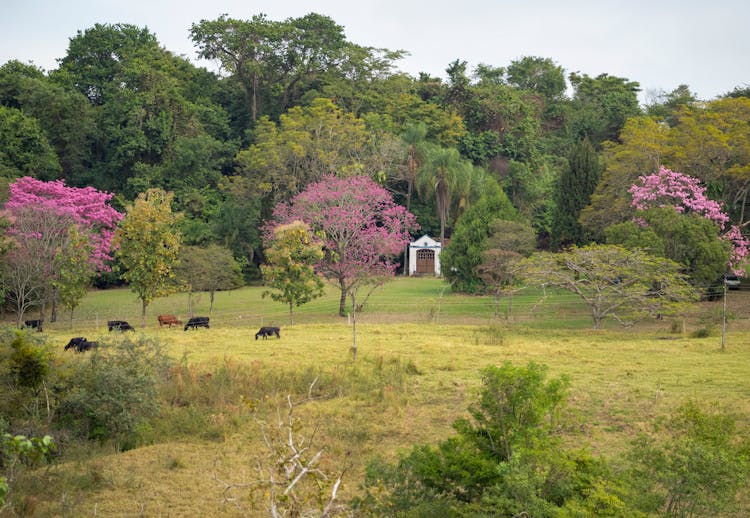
{"points": [[660, 44]]}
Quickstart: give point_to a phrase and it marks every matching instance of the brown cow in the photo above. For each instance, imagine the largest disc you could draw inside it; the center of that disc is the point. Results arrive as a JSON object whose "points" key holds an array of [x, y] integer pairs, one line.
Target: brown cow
{"points": [[169, 320]]}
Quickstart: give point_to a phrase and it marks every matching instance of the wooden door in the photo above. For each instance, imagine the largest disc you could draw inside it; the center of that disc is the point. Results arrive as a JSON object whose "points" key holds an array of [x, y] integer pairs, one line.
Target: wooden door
{"points": [[426, 262]]}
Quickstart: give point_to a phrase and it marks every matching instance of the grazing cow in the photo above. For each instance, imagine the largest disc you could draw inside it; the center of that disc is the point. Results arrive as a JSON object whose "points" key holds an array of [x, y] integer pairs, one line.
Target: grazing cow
{"points": [[80, 344], [34, 324], [119, 325], [196, 322], [168, 320], [265, 332]]}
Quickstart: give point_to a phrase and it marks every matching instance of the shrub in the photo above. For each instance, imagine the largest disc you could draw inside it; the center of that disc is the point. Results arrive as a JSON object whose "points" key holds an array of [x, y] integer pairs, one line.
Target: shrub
{"points": [[112, 391], [24, 368], [692, 464]]}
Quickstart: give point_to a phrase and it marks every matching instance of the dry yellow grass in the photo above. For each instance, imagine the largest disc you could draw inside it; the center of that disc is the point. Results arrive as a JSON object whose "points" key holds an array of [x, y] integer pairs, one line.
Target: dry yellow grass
{"points": [[621, 380]]}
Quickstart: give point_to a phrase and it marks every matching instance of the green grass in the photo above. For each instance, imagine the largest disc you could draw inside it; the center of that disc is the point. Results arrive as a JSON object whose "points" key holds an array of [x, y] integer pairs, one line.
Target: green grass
{"points": [[427, 300], [420, 352]]}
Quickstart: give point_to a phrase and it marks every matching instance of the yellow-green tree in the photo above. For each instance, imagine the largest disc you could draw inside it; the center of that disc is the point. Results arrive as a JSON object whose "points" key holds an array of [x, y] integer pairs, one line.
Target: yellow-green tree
{"points": [[74, 270], [148, 244], [291, 255], [307, 143]]}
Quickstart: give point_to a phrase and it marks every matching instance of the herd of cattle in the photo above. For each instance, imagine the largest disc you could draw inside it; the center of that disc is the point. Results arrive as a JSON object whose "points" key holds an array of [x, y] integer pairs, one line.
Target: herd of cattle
{"points": [[81, 344]]}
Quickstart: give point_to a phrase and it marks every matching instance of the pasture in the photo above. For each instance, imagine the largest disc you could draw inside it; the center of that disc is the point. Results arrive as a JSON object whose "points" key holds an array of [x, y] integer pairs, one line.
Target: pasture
{"points": [[420, 350]]}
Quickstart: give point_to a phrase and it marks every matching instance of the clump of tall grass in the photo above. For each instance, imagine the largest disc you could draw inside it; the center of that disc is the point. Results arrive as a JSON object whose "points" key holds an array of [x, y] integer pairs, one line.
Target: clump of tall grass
{"points": [[489, 335], [213, 401]]}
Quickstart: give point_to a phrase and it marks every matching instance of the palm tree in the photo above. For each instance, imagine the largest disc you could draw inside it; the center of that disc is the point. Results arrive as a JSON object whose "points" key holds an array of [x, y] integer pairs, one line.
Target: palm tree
{"points": [[413, 136], [443, 175]]}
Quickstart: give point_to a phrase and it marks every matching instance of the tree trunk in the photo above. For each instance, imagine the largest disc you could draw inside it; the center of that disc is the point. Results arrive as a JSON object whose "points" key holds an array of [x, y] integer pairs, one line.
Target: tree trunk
{"points": [[291, 322], [510, 304], [211, 301], [342, 300], [53, 311], [143, 313]]}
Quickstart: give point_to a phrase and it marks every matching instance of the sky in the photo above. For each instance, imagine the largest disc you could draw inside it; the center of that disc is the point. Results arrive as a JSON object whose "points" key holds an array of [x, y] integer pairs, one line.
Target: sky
{"points": [[660, 44]]}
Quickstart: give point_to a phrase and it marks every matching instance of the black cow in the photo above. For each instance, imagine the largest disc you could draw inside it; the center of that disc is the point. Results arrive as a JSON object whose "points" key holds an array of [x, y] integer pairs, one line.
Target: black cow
{"points": [[265, 332], [80, 344], [119, 325], [34, 324], [196, 322]]}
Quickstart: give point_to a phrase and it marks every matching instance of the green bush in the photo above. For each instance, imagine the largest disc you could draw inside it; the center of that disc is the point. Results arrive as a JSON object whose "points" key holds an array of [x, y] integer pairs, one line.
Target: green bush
{"points": [[692, 464], [25, 367], [112, 391]]}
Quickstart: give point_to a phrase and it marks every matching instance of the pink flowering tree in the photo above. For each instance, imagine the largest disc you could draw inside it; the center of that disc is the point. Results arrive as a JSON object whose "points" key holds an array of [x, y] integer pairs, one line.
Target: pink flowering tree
{"points": [[363, 229], [686, 195], [40, 216]]}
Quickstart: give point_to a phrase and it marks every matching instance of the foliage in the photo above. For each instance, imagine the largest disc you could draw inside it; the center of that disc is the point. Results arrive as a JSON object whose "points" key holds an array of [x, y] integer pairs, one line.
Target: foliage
{"points": [[602, 105], [461, 257], [576, 184], [686, 194], [612, 281], [26, 365], [24, 148], [445, 176], [17, 450], [363, 229], [687, 239], [85, 207], [509, 241], [208, 269], [707, 141], [506, 462], [291, 256], [74, 271], [308, 143], [690, 465], [517, 407], [148, 246], [113, 391], [540, 75]]}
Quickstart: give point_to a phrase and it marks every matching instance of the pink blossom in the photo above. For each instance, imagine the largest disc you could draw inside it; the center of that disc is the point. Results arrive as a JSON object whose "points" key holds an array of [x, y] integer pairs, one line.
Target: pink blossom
{"points": [[672, 189], [85, 207], [363, 227]]}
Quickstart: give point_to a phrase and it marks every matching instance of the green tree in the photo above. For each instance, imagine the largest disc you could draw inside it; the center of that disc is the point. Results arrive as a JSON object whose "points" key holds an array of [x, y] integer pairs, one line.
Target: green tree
{"points": [[539, 75], [691, 464], [505, 461], [601, 106], [209, 268], [307, 143], [576, 185], [443, 175], [64, 114], [612, 281], [508, 242], [641, 150], [148, 245], [461, 257], [691, 240], [289, 272], [24, 149], [74, 271], [517, 406]]}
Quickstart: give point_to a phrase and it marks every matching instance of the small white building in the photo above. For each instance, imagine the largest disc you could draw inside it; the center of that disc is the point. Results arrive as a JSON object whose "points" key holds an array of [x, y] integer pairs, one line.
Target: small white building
{"points": [[424, 257]]}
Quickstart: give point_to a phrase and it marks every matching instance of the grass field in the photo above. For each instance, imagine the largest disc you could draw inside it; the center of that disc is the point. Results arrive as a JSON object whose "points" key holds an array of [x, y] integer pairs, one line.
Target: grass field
{"points": [[420, 350]]}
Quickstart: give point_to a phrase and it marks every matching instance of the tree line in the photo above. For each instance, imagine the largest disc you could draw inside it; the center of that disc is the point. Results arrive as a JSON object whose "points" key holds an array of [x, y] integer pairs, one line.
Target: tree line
{"points": [[296, 103]]}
